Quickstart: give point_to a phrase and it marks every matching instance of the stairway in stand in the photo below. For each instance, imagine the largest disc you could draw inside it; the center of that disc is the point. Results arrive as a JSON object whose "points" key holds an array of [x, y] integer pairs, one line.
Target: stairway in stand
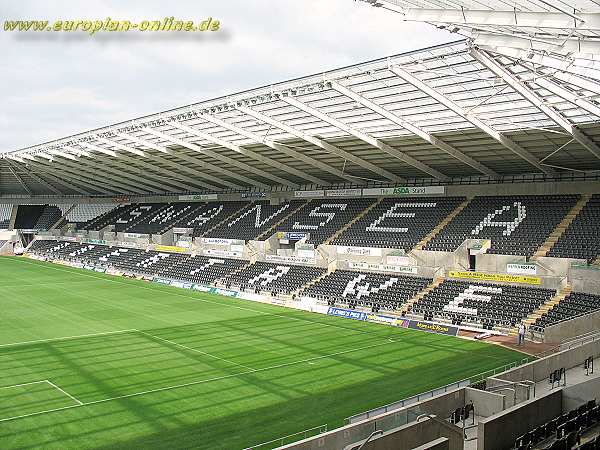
{"points": [[433, 233], [544, 308], [353, 221], [406, 307], [562, 226]]}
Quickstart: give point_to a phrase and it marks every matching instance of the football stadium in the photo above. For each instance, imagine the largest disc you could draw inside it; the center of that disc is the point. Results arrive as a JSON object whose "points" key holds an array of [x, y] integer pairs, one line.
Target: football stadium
{"points": [[402, 253]]}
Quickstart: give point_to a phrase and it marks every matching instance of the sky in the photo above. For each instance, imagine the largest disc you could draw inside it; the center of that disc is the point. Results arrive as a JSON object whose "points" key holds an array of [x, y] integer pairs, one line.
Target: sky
{"points": [[53, 85]]}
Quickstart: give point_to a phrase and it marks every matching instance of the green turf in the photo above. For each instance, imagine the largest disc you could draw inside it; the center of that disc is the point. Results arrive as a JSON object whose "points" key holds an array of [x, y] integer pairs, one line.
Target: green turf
{"points": [[183, 369]]}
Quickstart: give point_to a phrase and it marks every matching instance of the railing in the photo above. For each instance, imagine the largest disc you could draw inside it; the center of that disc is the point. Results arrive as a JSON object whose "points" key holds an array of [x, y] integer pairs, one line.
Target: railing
{"points": [[433, 392], [290, 438]]}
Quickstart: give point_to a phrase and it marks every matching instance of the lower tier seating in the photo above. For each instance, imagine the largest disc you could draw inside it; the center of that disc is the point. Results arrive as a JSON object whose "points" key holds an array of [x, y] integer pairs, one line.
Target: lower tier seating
{"points": [[275, 278], [376, 291], [573, 305], [202, 269], [483, 303]]}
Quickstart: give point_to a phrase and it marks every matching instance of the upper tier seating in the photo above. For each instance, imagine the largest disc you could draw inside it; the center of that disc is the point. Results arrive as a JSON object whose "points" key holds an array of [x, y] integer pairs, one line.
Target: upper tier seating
{"points": [[202, 269], [484, 303], [253, 220], [322, 218], [85, 212], [365, 289], [582, 238], [162, 219], [207, 215], [398, 222], [126, 217], [271, 277], [573, 305], [108, 218], [5, 213], [27, 216], [50, 215], [516, 225]]}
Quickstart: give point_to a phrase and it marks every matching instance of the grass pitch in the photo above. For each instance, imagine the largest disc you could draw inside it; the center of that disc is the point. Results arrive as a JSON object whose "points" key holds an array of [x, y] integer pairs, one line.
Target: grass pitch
{"points": [[93, 361]]}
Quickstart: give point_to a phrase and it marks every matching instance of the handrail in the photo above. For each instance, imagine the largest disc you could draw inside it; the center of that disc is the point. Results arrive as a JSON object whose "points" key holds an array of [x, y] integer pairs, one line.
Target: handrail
{"points": [[321, 429], [369, 438]]}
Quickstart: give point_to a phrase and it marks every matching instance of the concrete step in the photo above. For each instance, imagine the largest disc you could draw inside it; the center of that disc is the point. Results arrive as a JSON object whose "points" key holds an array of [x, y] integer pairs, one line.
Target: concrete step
{"points": [[560, 229], [433, 233]]}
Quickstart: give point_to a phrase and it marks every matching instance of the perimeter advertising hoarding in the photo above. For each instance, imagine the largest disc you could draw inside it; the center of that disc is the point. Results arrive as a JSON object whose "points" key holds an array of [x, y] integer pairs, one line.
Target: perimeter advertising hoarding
{"points": [[346, 313], [432, 327]]}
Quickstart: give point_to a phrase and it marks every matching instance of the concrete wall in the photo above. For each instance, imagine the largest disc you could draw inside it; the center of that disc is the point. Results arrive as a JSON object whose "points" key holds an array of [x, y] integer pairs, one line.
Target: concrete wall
{"points": [[486, 403], [440, 406], [437, 444], [570, 329], [585, 279], [500, 431], [578, 394], [415, 435], [540, 370]]}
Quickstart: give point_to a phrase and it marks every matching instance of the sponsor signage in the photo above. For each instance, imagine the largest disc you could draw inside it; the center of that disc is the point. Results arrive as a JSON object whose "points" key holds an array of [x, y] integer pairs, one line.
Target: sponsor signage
{"points": [[169, 248], [254, 194], [346, 313], [309, 194], [125, 244], [222, 241], [291, 235], [495, 277], [387, 320], [201, 288], [225, 292], [99, 269], [406, 191], [343, 193], [223, 253], [161, 280], [432, 327], [399, 260], [87, 267], [383, 267], [69, 239], [197, 197], [134, 235], [358, 251], [183, 230], [181, 284], [289, 259], [96, 241], [522, 269]]}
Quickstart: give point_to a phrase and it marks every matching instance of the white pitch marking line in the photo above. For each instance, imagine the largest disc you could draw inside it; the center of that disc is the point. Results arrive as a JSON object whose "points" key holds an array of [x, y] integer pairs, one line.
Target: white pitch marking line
{"points": [[22, 384], [195, 350], [64, 392], [65, 338], [193, 383]]}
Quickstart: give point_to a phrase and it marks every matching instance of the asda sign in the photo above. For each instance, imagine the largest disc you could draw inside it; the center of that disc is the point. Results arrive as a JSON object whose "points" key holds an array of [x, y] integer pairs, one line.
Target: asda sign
{"points": [[406, 191]]}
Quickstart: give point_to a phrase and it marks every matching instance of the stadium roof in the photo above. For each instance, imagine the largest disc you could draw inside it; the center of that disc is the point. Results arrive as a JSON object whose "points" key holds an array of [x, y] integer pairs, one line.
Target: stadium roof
{"points": [[426, 116]]}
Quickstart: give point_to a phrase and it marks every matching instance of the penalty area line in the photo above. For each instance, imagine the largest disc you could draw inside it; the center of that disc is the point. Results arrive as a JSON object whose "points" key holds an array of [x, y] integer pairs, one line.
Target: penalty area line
{"points": [[194, 383], [66, 338]]}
